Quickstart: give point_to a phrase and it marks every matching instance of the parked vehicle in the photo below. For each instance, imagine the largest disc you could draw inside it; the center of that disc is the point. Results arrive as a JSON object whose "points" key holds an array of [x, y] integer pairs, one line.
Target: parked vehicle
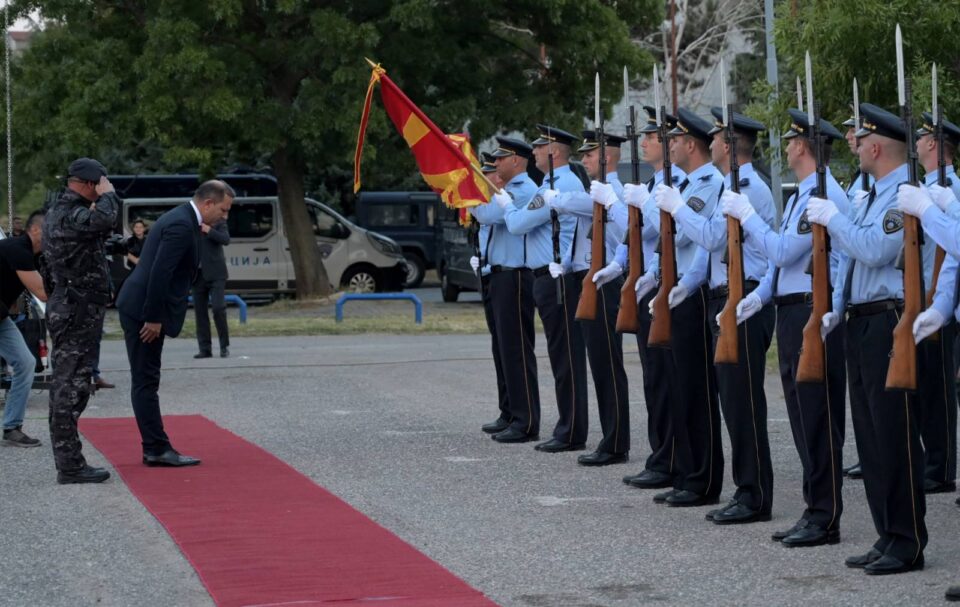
{"points": [[409, 218]]}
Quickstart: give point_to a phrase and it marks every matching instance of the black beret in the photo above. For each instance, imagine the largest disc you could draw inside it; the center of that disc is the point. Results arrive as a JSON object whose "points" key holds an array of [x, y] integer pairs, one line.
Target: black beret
{"points": [[549, 133], [86, 169], [689, 123], [800, 125], [590, 141], [951, 132], [744, 124], [508, 146], [878, 121]]}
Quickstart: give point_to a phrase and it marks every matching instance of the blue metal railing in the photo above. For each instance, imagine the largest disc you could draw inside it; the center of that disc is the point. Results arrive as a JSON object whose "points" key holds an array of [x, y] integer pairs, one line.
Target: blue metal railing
{"points": [[417, 304]]}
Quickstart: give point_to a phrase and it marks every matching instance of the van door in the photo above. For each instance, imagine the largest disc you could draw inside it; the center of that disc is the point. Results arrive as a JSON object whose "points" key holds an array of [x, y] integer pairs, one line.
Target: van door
{"points": [[332, 238], [254, 256]]}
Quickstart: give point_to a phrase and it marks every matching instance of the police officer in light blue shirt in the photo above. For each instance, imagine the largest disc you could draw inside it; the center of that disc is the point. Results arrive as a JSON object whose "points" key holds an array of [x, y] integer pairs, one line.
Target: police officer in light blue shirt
{"points": [[856, 192], [511, 295], [816, 410], [870, 291]]}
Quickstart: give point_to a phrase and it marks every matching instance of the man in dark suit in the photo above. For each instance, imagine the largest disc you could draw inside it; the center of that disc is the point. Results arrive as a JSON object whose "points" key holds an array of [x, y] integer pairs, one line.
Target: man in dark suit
{"points": [[153, 303], [209, 287]]}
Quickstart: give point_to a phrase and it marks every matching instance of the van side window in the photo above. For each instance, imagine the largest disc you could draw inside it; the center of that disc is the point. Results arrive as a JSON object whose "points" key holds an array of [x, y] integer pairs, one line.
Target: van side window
{"points": [[393, 215], [250, 220], [324, 224], [148, 214]]}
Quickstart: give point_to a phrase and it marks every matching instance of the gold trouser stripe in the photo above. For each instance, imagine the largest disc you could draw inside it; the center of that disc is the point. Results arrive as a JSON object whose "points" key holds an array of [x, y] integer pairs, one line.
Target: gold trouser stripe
{"points": [[706, 378], [523, 352], [913, 497], [753, 409], [833, 467], [613, 373], [946, 409], [573, 376]]}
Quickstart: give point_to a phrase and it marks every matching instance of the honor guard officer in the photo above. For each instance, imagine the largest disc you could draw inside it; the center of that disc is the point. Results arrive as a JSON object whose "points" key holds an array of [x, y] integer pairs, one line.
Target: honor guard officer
{"points": [[855, 192], [604, 344], [870, 291], [696, 414], [489, 169], [740, 385], [816, 410], [531, 221], [511, 295]]}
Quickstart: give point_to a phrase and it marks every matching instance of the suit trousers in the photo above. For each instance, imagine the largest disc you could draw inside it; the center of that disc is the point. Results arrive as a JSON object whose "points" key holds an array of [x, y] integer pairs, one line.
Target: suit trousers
{"points": [[145, 382], [659, 375], [210, 292], [502, 401], [511, 298], [937, 405]]}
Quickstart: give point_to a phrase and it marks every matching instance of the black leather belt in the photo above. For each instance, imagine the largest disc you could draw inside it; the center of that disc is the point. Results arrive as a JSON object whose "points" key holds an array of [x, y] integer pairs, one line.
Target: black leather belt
{"points": [[723, 290], [794, 298], [873, 307], [498, 269], [542, 270]]}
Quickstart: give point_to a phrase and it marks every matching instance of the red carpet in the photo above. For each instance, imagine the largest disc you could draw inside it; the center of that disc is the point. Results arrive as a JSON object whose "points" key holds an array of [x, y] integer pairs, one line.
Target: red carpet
{"points": [[260, 533]]}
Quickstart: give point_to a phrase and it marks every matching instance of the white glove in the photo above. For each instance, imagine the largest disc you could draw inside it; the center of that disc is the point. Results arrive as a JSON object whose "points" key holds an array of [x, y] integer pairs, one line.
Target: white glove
{"points": [[677, 295], [556, 269], [550, 199], [736, 205], [668, 198], [821, 210], [644, 285], [859, 198], [502, 199], [748, 306], [475, 263], [927, 324], [913, 200], [635, 195], [603, 193], [829, 322], [943, 197], [607, 273]]}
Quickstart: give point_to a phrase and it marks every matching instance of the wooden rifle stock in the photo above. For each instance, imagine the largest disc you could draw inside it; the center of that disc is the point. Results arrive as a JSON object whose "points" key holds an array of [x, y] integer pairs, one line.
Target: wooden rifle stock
{"points": [[628, 318], [660, 332], [587, 306], [902, 371], [813, 364], [727, 342], [938, 258]]}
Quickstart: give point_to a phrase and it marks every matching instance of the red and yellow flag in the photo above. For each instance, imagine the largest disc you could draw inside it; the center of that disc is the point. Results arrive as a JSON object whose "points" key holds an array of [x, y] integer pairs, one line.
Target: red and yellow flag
{"points": [[447, 162]]}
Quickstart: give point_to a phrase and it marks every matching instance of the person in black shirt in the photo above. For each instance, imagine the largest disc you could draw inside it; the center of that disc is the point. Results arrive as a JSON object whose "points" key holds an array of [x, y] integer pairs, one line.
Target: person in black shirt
{"points": [[18, 271], [135, 242]]}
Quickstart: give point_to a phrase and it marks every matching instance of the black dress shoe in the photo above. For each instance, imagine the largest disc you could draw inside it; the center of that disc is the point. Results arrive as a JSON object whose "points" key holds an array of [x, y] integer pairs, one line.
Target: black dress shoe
{"points": [[861, 561], [600, 458], [689, 499], [932, 486], [87, 474], [712, 513], [739, 515], [556, 446], [778, 536], [952, 594], [203, 355], [957, 502], [854, 471], [661, 498], [512, 435], [888, 565], [496, 426], [170, 458], [650, 479], [812, 535], [224, 352]]}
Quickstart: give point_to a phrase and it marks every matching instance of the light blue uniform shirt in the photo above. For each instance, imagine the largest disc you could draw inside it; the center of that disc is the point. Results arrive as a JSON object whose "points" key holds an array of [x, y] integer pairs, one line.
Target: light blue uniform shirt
{"points": [[790, 249], [710, 232], [503, 248], [650, 235], [944, 300], [532, 219], [581, 206], [953, 209]]}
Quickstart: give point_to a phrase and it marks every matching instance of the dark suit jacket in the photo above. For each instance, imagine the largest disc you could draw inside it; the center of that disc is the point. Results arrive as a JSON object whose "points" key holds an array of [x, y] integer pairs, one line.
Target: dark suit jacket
{"points": [[213, 266], [157, 289]]}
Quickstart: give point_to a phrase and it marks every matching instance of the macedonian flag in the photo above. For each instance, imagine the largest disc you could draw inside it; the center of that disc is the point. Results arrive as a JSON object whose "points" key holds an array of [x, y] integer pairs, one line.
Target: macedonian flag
{"points": [[447, 162]]}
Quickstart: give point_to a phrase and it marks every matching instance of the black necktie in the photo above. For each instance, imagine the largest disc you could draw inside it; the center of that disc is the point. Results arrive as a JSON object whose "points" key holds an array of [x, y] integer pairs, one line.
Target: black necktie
{"points": [[684, 184]]}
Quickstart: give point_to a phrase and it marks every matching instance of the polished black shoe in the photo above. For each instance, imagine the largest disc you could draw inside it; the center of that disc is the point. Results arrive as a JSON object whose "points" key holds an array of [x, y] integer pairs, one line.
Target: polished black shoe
{"points": [[496, 426], [957, 502], [170, 458], [739, 515], [861, 561], [932, 486], [650, 479], [87, 474], [888, 565], [689, 499], [778, 536], [952, 594], [600, 458], [556, 446], [854, 471], [661, 498], [712, 513], [203, 355], [224, 352], [811, 535], [512, 435]]}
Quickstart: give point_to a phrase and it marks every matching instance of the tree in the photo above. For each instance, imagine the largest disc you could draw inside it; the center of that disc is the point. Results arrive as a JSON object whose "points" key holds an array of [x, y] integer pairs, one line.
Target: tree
{"points": [[176, 83]]}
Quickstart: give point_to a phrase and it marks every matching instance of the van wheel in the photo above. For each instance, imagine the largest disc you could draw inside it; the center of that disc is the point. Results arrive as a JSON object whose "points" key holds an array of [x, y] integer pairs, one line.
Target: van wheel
{"points": [[450, 292], [416, 270], [359, 280]]}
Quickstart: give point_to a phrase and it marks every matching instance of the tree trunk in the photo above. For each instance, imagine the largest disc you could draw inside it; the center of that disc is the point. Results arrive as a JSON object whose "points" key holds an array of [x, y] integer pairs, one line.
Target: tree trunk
{"points": [[311, 276]]}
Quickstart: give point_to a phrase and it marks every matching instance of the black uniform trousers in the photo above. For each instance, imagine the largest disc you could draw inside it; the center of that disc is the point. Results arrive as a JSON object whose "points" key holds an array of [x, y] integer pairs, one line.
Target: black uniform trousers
{"points": [[888, 438], [145, 384], [511, 297], [210, 293], [744, 405], [658, 378], [696, 410], [937, 405], [817, 415], [605, 352], [568, 358], [502, 401]]}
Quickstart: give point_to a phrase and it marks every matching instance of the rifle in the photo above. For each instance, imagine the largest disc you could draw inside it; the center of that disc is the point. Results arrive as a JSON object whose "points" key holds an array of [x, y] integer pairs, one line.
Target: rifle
{"points": [[812, 367], [628, 319], [902, 371], [727, 351], [554, 220], [940, 254], [587, 307], [660, 332]]}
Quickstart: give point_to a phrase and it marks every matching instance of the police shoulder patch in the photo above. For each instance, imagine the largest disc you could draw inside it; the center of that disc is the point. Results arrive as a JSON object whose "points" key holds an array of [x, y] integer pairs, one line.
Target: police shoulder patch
{"points": [[744, 182], [803, 224], [536, 203], [892, 221], [696, 204]]}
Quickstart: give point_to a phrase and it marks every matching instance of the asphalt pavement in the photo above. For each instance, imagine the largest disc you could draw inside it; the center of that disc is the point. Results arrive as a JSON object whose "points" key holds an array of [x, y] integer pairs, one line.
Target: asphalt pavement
{"points": [[391, 424]]}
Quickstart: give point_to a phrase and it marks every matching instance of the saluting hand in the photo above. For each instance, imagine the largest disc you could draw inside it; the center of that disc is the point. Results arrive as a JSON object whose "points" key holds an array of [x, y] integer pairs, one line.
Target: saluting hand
{"points": [[150, 331]]}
